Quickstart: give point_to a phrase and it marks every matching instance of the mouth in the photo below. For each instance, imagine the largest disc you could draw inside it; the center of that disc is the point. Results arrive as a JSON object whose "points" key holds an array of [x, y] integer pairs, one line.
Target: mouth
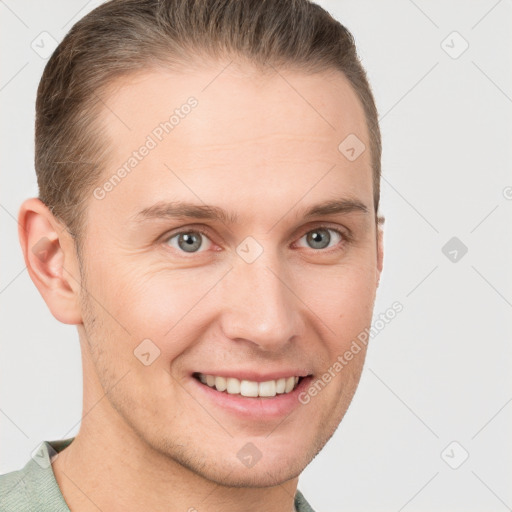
{"points": [[257, 401], [250, 388]]}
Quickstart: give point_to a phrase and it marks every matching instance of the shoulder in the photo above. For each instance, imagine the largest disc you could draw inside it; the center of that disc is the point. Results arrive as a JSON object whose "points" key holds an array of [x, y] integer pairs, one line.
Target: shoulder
{"points": [[301, 505], [13, 491], [34, 488]]}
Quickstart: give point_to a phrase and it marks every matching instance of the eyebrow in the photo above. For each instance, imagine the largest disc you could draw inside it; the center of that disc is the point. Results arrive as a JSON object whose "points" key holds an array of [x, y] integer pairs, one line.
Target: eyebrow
{"points": [[179, 209]]}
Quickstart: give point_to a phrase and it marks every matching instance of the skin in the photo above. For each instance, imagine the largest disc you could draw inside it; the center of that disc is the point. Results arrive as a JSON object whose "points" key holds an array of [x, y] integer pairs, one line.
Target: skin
{"points": [[255, 147]]}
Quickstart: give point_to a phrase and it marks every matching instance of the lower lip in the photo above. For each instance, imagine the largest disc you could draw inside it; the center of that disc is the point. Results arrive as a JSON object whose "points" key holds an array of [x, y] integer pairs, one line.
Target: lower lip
{"points": [[255, 408]]}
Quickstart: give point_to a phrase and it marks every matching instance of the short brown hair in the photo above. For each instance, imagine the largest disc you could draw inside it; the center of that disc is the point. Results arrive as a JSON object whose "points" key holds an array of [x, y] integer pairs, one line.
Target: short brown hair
{"points": [[125, 36]]}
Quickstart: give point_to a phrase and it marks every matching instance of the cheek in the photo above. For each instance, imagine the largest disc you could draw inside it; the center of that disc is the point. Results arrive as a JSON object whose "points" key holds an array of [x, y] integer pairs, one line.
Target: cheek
{"points": [[342, 297], [163, 305]]}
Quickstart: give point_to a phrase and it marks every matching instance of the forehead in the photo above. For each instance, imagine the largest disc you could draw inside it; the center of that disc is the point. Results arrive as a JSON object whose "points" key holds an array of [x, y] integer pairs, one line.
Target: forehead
{"points": [[246, 131], [237, 95]]}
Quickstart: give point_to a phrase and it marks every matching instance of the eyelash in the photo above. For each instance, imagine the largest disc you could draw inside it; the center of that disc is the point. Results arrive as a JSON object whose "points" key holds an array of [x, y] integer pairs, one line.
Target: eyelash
{"points": [[345, 238]]}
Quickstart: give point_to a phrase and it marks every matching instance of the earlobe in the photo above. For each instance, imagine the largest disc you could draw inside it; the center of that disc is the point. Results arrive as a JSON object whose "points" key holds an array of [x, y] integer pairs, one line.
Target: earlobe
{"points": [[48, 251]]}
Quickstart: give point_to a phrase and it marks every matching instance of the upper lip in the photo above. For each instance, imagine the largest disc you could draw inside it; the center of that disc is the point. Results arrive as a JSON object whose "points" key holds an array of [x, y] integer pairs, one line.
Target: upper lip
{"points": [[254, 375]]}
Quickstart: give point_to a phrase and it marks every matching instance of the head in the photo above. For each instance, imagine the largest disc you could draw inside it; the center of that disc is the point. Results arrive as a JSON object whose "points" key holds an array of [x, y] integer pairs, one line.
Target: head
{"points": [[209, 189]]}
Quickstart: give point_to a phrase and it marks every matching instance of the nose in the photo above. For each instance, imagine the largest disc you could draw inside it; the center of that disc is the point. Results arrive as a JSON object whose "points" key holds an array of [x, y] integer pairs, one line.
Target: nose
{"points": [[258, 304]]}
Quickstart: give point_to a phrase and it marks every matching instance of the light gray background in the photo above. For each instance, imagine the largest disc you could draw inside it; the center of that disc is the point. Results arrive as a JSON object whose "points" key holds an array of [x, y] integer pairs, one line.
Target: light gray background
{"points": [[440, 372]]}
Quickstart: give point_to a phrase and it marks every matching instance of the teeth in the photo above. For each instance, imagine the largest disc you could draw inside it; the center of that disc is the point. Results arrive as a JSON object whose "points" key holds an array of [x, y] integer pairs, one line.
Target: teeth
{"points": [[280, 385], [233, 386], [220, 383], [267, 388], [290, 383], [250, 388]]}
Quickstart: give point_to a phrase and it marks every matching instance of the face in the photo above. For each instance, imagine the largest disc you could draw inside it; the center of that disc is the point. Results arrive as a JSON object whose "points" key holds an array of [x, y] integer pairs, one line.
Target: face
{"points": [[200, 258]]}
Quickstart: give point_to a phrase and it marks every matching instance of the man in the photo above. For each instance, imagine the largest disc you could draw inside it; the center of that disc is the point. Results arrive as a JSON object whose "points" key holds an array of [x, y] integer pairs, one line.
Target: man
{"points": [[207, 217]]}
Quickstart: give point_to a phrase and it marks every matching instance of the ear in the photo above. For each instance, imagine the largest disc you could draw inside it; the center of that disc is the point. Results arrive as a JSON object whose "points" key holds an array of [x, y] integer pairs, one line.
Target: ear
{"points": [[51, 260], [380, 247]]}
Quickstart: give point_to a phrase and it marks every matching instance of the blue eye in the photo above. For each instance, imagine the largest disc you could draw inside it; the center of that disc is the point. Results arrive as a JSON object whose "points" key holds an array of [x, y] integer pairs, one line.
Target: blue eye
{"points": [[320, 238]]}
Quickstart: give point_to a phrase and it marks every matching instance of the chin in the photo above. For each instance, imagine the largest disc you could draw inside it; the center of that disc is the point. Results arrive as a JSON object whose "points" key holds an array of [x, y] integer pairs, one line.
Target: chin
{"points": [[255, 477], [225, 468]]}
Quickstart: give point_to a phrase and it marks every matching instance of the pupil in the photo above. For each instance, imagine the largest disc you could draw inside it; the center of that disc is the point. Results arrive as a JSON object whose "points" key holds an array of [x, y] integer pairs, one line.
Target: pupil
{"points": [[315, 238], [189, 243]]}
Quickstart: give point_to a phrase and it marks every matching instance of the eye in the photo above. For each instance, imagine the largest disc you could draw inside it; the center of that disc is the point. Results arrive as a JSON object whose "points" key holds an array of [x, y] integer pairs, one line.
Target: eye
{"points": [[188, 241], [193, 240], [320, 238]]}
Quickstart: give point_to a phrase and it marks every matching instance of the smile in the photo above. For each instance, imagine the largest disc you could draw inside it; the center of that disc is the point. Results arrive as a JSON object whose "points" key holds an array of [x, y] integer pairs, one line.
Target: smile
{"points": [[249, 388]]}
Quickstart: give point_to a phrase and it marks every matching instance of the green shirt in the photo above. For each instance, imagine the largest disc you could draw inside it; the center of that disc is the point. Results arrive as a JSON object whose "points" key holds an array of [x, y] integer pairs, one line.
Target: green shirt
{"points": [[34, 487]]}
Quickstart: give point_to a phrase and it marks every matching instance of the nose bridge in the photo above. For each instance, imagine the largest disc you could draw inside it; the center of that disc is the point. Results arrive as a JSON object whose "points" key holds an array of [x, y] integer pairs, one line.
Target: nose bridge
{"points": [[257, 305]]}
